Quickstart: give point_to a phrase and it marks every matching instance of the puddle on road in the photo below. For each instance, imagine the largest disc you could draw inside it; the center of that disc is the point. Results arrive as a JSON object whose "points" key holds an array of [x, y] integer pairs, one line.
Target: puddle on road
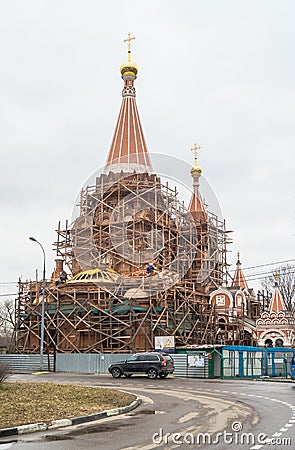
{"points": [[57, 437], [99, 428], [146, 411]]}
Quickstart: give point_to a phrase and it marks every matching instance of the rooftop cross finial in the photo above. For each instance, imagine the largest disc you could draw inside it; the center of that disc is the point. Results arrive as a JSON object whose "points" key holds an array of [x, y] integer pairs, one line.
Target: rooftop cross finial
{"points": [[128, 40], [195, 149]]}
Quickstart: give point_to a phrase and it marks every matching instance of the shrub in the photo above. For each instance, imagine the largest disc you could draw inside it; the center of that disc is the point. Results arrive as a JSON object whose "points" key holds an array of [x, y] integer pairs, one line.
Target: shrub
{"points": [[5, 370]]}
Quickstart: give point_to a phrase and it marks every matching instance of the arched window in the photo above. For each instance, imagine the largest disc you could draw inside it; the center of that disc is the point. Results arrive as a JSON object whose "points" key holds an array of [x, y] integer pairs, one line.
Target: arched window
{"points": [[268, 343], [221, 324], [279, 343]]}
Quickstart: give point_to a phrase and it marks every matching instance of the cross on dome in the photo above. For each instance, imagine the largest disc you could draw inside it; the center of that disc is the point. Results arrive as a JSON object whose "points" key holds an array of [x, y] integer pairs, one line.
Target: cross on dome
{"points": [[195, 149], [128, 40]]}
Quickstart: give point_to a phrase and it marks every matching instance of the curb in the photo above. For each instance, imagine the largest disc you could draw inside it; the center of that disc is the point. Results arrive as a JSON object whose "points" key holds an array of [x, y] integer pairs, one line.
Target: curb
{"points": [[275, 380], [43, 426]]}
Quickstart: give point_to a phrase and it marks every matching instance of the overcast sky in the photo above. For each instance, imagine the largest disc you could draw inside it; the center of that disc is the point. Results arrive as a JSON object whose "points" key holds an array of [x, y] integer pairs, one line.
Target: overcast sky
{"points": [[219, 73]]}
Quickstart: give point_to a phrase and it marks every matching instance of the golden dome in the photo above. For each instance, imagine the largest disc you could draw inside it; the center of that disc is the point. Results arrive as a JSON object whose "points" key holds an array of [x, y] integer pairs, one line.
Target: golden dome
{"points": [[129, 68], [196, 170]]}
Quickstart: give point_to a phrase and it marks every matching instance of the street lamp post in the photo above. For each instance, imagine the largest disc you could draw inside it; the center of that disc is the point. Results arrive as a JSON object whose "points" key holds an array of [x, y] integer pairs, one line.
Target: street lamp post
{"points": [[42, 304]]}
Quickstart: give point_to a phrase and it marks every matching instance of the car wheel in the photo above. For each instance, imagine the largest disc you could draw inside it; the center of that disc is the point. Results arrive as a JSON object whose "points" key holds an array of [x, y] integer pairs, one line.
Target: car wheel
{"points": [[116, 372], [128, 375], [163, 375], [152, 373]]}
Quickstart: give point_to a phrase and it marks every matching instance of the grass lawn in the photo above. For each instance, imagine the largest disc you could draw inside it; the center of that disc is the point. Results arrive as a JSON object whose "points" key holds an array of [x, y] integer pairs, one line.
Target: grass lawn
{"points": [[23, 403]]}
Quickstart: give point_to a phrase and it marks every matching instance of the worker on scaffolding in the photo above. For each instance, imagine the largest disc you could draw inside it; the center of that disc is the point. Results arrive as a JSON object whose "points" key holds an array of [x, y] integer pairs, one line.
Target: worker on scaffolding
{"points": [[150, 269], [62, 279]]}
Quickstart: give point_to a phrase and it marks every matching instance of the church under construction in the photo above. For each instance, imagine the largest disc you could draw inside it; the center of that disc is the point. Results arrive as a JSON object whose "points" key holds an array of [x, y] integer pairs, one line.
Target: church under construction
{"points": [[137, 265]]}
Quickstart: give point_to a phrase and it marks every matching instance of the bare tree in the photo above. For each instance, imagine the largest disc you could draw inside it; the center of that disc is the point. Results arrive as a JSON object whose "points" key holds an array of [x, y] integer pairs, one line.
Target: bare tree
{"points": [[7, 319], [285, 277]]}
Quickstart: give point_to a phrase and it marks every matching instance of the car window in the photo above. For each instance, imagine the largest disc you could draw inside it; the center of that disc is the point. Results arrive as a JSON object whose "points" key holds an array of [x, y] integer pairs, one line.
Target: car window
{"points": [[142, 358], [167, 357], [133, 358], [152, 358]]}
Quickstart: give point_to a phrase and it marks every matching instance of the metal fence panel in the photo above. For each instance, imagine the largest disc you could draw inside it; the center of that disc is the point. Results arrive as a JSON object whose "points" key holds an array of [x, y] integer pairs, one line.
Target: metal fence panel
{"points": [[93, 363], [86, 362], [27, 363], [180, 362], [78, 362]]}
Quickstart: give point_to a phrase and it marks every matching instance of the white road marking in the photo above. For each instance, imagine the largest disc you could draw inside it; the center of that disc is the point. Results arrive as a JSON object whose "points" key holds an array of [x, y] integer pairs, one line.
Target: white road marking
{"points": [[276, 434], [197, 392], [188, 417]]}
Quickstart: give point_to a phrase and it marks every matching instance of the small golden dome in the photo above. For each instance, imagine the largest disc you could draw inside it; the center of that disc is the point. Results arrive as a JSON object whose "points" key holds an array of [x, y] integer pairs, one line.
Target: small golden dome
{"points": [[129, 68], [196, 170]]}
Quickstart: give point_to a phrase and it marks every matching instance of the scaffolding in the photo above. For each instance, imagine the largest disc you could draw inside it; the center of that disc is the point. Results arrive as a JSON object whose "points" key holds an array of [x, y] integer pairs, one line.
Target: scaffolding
{"points": [[125, 222]]}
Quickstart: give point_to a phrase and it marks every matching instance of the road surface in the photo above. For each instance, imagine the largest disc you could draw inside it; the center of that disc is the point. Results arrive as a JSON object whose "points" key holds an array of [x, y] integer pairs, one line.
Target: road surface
{"points": [[176, 413]]}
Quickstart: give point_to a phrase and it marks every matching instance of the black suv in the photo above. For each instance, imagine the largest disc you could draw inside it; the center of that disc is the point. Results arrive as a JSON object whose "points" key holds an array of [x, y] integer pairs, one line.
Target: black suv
{"points": [[153, 364]]}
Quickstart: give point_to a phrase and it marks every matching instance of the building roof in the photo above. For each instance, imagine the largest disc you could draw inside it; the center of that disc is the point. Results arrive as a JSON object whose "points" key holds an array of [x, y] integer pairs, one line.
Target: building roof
{"points": [[197, 208], [128, 152], [277, 303], [239, 277]]}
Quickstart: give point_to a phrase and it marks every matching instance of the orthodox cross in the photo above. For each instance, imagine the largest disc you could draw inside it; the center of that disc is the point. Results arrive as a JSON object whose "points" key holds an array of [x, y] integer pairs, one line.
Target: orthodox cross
{"points": [[195, 149], [128, 40]]}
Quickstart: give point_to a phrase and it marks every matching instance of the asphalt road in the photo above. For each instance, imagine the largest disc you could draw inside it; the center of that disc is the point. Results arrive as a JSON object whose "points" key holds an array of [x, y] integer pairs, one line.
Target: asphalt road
{"points": [[177, 413]]}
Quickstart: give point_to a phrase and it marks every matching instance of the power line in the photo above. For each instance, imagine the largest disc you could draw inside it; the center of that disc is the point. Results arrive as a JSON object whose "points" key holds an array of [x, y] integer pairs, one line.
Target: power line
{"points": [[261, 278], [271, 272], [264, 265], [6, 295]]}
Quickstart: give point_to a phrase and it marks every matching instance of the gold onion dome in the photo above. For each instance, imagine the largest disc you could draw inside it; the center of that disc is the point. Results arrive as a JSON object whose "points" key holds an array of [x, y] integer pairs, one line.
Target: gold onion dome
{"points": [[196, 170], [129, 68]]}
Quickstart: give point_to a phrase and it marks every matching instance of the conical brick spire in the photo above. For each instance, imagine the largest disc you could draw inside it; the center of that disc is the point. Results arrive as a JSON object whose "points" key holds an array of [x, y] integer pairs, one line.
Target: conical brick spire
{"points": [[239, 277], [128, 152], [277, 303]]}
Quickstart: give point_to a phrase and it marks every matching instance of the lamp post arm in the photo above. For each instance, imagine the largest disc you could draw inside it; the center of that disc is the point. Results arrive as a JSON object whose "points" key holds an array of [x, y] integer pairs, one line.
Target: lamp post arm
{"points": [[42, 304]]}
